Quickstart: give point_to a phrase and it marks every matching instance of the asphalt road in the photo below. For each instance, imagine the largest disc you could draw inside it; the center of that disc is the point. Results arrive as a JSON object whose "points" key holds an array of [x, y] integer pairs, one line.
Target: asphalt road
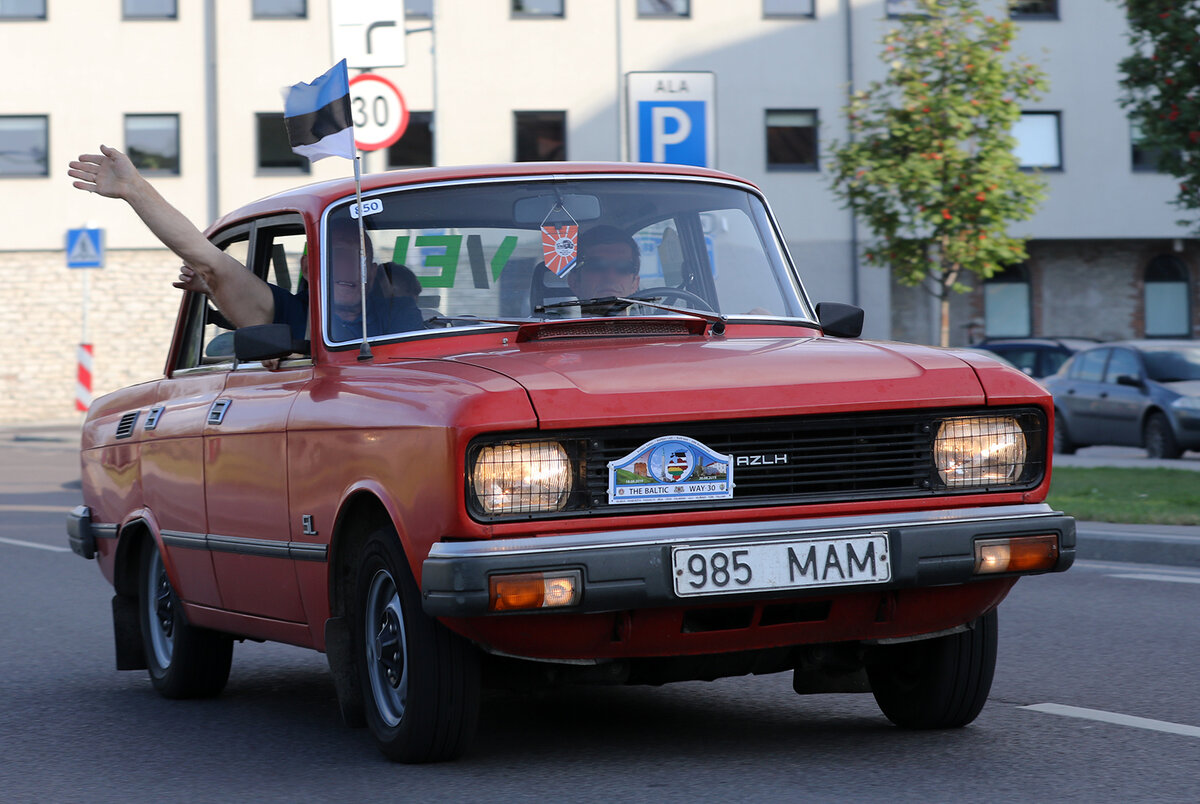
{"points": [[1094, 700]]}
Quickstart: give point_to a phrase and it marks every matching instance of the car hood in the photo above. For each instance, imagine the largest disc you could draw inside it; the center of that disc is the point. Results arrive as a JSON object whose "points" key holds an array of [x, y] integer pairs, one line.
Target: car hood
{"points": [[1184, 387], [610, 382]]}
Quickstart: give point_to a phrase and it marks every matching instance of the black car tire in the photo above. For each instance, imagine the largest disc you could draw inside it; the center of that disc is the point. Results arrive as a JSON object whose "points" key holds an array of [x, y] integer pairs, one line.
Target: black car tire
{"points": [[1063, 445], [1158, 438], [420, 680], [183, 661], [939, 683]]}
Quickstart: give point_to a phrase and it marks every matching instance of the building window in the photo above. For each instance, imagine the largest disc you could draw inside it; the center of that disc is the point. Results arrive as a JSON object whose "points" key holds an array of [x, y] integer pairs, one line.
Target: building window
{"points": [[538, 8], [149, 9], [791, 139], [275, 154], [418, 8], [1039, 140], [415, 146], [279, 9], [1166, 298], [1006, 303], [664, 8], [152, 143], [541, 136], [24, 145], [1143, 158], [789, 8], [23, 9], [903, 8], [1034, 9]]}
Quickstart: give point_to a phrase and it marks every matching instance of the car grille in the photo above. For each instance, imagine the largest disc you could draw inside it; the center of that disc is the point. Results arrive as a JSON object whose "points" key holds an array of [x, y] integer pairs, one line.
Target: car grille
{"points": [[798, 460]]}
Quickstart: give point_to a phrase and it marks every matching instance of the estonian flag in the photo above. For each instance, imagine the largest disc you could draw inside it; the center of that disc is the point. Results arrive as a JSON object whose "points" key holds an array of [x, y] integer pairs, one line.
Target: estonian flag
{"points": [[317, 115]]}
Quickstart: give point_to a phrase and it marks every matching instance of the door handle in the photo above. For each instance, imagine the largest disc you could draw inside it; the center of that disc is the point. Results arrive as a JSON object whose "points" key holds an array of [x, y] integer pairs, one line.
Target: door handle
{"points": [[1104, 394]]}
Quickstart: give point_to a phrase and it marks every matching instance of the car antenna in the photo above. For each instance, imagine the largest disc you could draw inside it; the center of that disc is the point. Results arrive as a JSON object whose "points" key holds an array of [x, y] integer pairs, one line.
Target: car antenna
{"points": [[364, 349]]}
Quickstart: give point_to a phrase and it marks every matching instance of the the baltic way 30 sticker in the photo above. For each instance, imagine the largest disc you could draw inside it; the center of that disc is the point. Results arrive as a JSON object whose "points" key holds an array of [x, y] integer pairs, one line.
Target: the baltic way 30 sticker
{"points": [[670, 469]]}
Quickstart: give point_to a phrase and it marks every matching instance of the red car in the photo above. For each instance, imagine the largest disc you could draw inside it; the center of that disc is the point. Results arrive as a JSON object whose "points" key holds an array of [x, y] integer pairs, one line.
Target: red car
{"points": [[696, 473]]}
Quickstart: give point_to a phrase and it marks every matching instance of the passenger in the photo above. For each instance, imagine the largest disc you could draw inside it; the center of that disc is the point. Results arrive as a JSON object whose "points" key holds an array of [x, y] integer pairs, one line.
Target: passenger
{"points": [[241, 296]]}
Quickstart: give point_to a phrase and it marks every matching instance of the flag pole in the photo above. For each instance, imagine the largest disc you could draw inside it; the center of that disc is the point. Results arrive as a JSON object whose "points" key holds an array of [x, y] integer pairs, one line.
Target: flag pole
{"points": [[364, 349]]}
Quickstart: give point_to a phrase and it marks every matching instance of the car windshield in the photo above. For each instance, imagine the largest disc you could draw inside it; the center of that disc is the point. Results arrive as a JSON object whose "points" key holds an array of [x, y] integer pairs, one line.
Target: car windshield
{"points": [[1173, 365], [473, 254]]}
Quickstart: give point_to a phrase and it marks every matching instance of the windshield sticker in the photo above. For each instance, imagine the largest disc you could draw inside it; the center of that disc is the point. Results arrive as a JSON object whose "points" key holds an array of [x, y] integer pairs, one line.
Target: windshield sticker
{"points": [[559, 245], [670, 469]]}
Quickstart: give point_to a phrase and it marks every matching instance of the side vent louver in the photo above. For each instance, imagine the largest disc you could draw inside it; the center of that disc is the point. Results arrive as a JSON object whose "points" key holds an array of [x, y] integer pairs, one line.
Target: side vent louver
{"points": [[216, 414], [152, 418], [125, 426]]}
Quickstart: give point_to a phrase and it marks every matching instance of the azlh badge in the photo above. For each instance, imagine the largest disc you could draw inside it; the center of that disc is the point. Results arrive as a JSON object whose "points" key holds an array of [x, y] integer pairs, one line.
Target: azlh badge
{"points": [[670, 469]]}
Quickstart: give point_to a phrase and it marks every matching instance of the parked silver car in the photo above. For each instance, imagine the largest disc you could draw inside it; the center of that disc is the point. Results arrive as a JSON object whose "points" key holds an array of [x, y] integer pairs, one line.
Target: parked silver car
{"points": [[1130, 393]]}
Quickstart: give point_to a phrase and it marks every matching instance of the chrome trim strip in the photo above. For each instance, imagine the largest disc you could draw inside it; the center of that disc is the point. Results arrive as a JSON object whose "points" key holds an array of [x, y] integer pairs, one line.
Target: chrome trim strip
{"points": [[104, 531], [243, 545], [699, 534]]}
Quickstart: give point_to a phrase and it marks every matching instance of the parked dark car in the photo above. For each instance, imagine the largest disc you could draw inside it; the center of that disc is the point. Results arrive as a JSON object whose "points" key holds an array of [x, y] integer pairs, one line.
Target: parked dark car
{"points": [[1037, 357], [1129, 393]]}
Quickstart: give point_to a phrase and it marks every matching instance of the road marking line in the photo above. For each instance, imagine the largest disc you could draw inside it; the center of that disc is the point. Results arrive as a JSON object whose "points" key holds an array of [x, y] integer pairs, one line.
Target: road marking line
{"points": [[52, 548], [35, 509], [1115, 718], [1155, 576]]}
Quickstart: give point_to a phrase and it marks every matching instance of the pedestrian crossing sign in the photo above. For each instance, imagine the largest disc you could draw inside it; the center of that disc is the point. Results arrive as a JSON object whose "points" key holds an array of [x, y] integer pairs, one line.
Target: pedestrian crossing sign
{"points": [[85, 248]]}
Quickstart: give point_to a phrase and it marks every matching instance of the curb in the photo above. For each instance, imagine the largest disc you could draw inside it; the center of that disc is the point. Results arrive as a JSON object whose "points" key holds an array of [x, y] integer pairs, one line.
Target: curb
{"points": [[1173, 545]]}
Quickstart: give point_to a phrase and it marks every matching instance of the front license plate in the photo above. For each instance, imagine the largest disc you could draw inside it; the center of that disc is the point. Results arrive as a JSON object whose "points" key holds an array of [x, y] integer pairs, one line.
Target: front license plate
{"points": [[793, 564]]}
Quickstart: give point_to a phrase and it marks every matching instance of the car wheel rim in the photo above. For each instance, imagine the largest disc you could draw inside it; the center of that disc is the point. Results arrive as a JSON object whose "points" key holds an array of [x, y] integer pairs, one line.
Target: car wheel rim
{"points": [[161, 611], [387, 652]]}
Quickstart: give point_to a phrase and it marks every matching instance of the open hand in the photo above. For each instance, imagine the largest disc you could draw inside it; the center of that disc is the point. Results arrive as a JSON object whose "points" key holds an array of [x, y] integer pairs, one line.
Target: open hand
{"points": [[108, 173]]}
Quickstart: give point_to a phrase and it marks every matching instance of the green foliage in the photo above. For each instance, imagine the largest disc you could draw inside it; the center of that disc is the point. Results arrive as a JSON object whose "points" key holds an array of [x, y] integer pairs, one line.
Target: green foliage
{"points": [[1161, 83], [930, 166]]}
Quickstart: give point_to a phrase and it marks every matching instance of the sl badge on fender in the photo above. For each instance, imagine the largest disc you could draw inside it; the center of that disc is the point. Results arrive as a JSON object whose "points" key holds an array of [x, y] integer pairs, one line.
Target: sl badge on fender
{"points": [[670, 469]]}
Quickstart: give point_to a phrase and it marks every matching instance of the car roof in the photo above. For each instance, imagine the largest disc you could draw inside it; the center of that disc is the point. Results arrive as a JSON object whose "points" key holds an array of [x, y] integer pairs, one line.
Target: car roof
{"points": [[312, 198], [1074, 343]]}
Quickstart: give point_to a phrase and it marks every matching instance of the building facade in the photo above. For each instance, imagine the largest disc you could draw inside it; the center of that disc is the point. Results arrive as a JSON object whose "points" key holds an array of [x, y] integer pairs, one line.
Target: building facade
{"points": [[192, 89]]}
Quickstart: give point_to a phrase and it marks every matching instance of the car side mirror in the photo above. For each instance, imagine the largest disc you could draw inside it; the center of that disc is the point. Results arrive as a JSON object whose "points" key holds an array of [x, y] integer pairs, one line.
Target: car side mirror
{"points": [[1129, 379], [840, 320], [265, 342]]}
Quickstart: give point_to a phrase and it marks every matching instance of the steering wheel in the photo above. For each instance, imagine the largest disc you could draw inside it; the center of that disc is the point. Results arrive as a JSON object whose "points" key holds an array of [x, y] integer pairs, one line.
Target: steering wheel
{"points": [[667, 292]]}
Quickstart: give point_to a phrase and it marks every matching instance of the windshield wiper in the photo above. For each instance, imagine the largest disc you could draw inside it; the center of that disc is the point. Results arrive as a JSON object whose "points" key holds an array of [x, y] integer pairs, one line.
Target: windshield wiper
{"points": [[615, 303]]}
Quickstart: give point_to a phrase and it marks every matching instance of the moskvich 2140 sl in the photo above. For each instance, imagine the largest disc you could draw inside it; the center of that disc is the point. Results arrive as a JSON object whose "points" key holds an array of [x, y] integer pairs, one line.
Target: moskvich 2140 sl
{"points": [[581, 422]]}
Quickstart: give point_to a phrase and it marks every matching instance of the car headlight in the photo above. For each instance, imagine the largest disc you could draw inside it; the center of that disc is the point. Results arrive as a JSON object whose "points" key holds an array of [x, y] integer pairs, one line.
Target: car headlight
{"points": [[980, 451], [528, 477], [1187, 403]]}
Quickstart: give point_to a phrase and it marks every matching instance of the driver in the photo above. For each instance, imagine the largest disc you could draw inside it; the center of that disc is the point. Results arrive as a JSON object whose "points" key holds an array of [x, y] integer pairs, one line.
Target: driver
{"points": [[608, 265]]}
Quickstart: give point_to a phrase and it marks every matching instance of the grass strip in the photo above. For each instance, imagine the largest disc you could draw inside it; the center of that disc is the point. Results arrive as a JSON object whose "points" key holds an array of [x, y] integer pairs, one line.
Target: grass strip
{"points": [[1135, 496]]}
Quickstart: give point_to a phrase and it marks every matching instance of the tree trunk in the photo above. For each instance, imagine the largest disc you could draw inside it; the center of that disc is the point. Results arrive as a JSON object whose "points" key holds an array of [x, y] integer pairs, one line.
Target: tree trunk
{"points": [[944, 305]]}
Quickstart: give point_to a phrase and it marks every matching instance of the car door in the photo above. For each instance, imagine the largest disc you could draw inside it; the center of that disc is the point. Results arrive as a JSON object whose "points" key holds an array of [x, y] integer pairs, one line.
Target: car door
{"points": [[172, 451], [1122, 399], [245, 457], [1080, 397]]}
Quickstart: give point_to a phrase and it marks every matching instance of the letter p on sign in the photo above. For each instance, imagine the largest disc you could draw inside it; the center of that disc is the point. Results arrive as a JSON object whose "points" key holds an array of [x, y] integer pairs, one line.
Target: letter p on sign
{"points": [[673, 131]]}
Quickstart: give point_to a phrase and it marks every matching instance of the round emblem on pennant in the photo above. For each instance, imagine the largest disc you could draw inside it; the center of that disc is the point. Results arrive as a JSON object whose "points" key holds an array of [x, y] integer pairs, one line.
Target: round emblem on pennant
{"points": [[565, 247]]}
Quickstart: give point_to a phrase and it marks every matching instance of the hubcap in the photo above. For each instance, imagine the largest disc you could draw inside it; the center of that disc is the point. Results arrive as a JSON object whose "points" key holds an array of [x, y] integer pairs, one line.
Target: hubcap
{"points": [[387, 654], [161, 611]]}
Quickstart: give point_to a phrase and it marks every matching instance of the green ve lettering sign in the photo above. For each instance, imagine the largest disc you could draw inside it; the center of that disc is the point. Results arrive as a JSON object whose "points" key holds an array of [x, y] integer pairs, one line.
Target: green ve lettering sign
{"points": [[447, 261]]}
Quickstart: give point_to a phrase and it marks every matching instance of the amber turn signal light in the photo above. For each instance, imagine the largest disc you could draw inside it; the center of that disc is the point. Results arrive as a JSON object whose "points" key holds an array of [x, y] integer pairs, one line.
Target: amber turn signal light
{"points": [[1016, 554], [533, 590]]}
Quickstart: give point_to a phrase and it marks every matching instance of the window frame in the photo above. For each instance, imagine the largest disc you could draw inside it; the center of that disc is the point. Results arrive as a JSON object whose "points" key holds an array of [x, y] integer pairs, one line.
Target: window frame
{"points": [[517, 114], [302, 167], [45, 15], [1156, 263], [125, 15], [255, 14], [1056, 114], [522, 14], [148, 171], [1036, 16], [663, 15], [791, 15], [1012, 275], [793, 167], [45, 118]]}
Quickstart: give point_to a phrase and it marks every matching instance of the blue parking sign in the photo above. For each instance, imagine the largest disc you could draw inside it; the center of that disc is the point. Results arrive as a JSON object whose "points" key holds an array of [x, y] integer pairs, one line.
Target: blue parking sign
{"points": [[85, 248], [672, 117], [674, 132]]}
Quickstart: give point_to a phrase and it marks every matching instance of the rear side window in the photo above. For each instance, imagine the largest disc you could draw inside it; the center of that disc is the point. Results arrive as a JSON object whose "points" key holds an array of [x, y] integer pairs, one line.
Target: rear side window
{"points": [[1122, 362], [1089, 366]]}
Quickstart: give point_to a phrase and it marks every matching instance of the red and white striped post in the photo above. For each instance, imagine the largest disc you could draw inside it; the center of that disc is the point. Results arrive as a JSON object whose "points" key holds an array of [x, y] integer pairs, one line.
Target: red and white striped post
{"points": [[83, 378]]}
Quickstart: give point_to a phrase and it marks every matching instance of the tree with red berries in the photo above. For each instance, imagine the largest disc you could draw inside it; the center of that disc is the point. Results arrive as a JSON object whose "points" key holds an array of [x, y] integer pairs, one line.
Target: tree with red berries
{"points": [[1161, 86], [929, 164]]}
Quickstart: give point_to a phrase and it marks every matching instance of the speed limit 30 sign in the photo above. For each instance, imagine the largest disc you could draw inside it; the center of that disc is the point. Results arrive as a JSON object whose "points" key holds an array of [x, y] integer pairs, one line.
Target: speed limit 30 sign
{"points": [[377, 110]]}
